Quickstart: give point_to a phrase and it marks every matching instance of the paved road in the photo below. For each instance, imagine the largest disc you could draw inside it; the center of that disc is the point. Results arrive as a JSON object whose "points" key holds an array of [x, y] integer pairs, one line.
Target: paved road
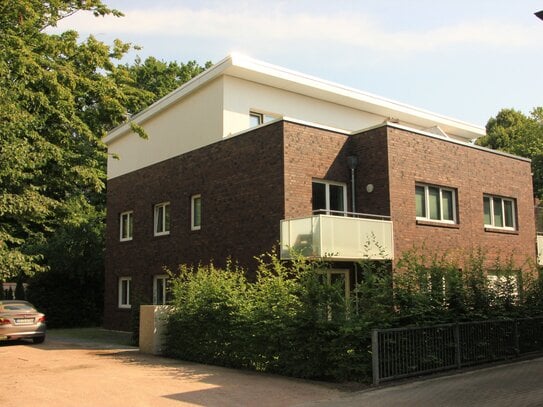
{"points": [[76, 374], [518, 384]]}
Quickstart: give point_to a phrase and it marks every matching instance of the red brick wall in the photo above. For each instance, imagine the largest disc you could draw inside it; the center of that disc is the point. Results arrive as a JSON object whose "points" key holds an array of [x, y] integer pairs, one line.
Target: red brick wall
{"points": [[311, 153], [472, 172], [241, 183]]}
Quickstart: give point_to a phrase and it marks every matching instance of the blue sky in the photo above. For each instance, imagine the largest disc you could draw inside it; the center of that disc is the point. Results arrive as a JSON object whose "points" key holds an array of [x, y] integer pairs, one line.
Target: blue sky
{"points": [[464, 59]]}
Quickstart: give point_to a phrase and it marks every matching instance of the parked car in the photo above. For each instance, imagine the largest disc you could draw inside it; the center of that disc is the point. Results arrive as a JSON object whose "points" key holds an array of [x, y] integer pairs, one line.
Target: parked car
{"points": [[21, 320]]}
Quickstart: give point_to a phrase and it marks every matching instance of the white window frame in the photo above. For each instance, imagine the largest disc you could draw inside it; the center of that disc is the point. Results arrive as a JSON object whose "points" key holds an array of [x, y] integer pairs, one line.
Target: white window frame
{"points": [[492, 224], [327, 197], [127, 217], [163, 205], [262, 118], [426, 216], [193, 225], [164, 288], [121, 303]]}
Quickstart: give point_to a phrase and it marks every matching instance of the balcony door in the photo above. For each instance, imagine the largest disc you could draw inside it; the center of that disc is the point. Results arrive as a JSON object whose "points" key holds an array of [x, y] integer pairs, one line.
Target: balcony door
{"points": [[329, 197]]}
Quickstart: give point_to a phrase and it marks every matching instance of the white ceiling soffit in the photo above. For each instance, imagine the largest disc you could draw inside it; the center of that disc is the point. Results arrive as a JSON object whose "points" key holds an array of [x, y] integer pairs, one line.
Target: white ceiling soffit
{"points": [[261, 72]]}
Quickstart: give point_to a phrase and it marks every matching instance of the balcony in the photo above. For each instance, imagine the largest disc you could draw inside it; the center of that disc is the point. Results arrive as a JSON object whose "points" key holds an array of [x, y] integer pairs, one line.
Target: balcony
{"points": [[341, 237]]}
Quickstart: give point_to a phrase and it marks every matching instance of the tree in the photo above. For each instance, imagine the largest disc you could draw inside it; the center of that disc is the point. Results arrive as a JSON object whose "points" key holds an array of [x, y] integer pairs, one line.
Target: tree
{"points": [[513, 132]]}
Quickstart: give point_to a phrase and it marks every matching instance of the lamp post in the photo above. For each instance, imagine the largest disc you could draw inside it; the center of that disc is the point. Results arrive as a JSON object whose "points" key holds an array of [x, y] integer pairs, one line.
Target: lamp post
{"points": [[539, 14]]}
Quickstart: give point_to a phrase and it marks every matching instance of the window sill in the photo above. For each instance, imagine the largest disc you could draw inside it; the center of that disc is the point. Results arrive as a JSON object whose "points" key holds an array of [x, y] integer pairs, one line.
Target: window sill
{"points": [[161, 234], [503, 231], [125, 240], [125, 307], [438, 224]]}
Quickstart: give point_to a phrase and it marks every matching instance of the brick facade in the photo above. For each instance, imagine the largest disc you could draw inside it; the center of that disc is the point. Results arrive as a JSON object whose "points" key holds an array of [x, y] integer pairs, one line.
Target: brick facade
{"points": [[250, 182]]}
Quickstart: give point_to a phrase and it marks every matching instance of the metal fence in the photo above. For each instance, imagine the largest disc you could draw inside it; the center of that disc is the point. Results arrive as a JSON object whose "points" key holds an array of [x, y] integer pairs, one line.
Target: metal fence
{"points": [[403, 352]]}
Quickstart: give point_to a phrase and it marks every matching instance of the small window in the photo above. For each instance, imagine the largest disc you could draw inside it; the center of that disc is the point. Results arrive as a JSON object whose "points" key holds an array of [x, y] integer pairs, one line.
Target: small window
{"points": [[435, 203], [162, 219], [124, 292], [329, 197], [256, 119], [126, 221], [196, 212], [499, 212], [160, 290]]}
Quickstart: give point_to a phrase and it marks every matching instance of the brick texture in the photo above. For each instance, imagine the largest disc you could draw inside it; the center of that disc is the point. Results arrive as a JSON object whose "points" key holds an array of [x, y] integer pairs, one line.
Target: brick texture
{"points": [[250, 182]]}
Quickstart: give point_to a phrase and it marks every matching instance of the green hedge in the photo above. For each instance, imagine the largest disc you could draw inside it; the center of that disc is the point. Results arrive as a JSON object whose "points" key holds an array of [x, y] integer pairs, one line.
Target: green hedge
{"points": [[289, 321]]}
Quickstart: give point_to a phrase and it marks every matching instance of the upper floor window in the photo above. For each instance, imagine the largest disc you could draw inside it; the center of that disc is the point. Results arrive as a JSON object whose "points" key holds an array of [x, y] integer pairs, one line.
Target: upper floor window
{"points": [[124, 292], [126, 226], [435, 203], [257, 119], [499, 212], [329, 197], [162, 219], [196, 212]]}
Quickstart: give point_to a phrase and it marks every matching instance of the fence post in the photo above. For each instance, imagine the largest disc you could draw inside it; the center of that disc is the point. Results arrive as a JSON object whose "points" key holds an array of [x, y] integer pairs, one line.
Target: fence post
{"points": [[375, 356], [457, 346], [517, 340]]}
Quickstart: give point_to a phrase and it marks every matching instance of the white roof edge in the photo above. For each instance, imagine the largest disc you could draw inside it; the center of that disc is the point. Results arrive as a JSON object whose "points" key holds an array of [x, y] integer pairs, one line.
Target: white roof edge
{"points": [[242, 66]]}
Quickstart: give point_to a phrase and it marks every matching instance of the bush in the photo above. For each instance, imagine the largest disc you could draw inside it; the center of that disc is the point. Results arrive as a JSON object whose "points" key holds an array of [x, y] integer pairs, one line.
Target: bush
{"points": [[289, 321]]}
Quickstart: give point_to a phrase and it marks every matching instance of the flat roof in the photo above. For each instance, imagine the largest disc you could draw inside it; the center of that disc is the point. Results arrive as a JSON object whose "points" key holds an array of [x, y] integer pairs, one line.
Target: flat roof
{"points": [[247, 68]]}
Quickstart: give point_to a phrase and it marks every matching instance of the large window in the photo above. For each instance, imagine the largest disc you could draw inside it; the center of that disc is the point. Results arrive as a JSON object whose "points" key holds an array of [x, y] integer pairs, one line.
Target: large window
{"points": [[162, 219], [124, 292], [160, 291], [435, 203], [329, 197], [126, 221], [196, 212], [499, 212]]}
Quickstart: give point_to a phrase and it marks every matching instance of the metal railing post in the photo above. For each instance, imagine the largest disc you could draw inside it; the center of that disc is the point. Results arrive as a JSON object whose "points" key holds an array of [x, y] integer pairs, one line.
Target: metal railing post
{"points": [[375, 356], [458, 356]]}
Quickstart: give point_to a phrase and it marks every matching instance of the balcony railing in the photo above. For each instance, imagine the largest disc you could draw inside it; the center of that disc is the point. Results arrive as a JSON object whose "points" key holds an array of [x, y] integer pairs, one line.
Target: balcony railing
{"points": [[338, 236]]}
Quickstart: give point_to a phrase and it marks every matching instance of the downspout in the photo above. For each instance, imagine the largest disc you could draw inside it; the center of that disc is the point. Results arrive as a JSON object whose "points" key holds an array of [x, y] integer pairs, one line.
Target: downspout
{"points": [[352, 162]]}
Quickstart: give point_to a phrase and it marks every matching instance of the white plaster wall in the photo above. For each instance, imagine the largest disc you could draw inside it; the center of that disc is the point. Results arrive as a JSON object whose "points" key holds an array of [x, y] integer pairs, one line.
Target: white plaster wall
{"points": [[240, 96], [193, 122]]}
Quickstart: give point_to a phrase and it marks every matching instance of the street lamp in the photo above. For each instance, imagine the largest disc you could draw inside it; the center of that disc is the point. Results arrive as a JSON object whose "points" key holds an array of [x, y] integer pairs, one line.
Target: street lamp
{"points": [[539, 14]]}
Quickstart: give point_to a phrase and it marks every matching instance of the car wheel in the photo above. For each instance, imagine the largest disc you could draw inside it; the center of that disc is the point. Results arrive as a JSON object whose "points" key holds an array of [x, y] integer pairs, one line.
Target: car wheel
{"points": [[38, 339]]}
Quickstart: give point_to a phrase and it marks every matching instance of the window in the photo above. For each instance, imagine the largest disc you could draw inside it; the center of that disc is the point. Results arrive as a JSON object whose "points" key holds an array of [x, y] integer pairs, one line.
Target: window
{"points": [[499, 212], [435, 203], [124, 292], [196, 212], [256, 119], [126, 226], [162, 219], [160, 292], [329, 197]]}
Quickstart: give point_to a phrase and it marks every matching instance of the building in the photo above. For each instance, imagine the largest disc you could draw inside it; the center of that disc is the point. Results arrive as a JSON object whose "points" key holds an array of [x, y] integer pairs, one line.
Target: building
{"points": [[248, 155]]}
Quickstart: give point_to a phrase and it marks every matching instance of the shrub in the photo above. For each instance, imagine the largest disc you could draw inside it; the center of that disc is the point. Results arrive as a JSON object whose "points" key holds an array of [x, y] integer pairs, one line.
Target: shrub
{"points": [[289, 321]]}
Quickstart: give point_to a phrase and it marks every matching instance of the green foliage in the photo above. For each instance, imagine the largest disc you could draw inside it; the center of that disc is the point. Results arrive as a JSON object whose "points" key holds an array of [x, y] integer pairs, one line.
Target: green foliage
{"points": [[19, 288], [513, 132], [290, 321]]}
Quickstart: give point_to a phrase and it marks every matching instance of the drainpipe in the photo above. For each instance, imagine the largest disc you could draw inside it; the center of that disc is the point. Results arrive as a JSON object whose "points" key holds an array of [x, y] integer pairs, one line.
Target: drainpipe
{"points": [[352, 162]]}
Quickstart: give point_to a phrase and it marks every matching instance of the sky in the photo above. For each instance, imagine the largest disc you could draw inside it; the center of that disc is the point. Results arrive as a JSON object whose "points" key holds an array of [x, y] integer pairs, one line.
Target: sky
{"points": [[465, 59]]}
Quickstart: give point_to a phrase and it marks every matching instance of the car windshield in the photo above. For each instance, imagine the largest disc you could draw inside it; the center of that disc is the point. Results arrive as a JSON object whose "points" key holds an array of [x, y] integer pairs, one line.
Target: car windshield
{"points": [[16, 307]]}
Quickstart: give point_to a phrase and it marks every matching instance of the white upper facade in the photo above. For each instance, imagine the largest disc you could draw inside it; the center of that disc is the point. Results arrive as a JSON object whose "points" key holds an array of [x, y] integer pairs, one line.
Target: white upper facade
{"points": [[217, 104]]}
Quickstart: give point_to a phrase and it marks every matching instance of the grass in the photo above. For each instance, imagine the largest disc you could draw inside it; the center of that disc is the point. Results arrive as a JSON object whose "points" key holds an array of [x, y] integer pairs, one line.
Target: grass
{"points": [[98, 335]]}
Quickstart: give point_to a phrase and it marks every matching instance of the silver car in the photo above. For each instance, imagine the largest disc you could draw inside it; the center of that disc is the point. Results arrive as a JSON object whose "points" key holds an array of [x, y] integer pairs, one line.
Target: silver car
{"points": [[20, 320]]}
